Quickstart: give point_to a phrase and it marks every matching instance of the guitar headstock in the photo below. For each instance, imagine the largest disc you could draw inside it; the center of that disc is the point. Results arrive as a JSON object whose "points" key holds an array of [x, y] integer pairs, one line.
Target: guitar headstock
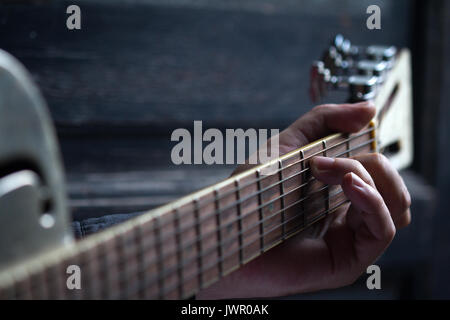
{"points": [[378, 73]]}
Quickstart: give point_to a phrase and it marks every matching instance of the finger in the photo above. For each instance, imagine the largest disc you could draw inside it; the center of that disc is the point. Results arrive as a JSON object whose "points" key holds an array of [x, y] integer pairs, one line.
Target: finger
{"points": [[333, 170], [370, 166], [368, 218], [390, 185], [326, 119]]}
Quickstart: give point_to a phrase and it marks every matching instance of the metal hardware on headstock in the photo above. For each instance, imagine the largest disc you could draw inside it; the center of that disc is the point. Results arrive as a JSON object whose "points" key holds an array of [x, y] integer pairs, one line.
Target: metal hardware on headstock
{"points": [[357, 69], [378, 73]]}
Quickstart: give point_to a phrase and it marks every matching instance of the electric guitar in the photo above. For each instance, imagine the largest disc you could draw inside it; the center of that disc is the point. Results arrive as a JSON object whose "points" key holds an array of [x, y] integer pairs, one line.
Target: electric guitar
{"points": [[175, 250]]}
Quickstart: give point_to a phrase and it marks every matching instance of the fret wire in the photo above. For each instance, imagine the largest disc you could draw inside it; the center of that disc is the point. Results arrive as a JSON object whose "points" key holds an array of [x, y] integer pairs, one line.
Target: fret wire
{"points": [[199, 242], [179, 252], [265, 189], [283, 213], [140, 261], [87, 275], [302, 190], [327, 202], [239, 220], [295, 230], [294, 163], [219, 233], [212, 249], [105, 275], [126, 273], [120, 250], [347, 146], [261, 216], [159, 253]]}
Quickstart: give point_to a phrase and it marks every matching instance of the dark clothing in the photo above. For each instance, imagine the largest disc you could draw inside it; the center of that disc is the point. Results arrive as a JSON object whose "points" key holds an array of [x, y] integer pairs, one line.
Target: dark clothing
{"points": [[88, 226]]}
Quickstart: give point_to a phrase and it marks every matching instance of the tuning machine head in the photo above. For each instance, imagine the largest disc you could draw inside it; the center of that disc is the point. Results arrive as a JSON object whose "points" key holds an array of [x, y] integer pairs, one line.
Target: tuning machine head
{"points": [[355, 68], [373, 68], [384, 53], [362, 87], [344, 47]]}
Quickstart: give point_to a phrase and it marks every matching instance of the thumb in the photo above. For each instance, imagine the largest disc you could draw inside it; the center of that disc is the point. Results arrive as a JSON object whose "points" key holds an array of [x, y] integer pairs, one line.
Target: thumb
{"points": [[327, 119]]}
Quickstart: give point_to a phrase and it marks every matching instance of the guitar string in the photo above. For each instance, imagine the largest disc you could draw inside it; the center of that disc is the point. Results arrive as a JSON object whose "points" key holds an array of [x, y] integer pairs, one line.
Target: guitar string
{"points": [[299, 227], [258, 251], [260, 207], [233, 221], [214, 248], [276, 241], [230, 223], [302, 160], [168, 272], [227, 240], [205, 253], [233, 191], [352, 138], [220, 244]]}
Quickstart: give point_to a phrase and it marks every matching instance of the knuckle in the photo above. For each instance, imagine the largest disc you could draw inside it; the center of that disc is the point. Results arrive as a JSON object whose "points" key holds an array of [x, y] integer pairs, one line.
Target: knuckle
{"points": [[405, 200], [379, 201], [353, 165], [379, 160], [358, 168], [321, 108], [390, 232]]}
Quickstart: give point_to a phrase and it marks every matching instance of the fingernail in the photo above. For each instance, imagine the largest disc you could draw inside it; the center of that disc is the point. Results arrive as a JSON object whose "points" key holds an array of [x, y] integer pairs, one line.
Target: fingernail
{"points": [[368, 103], [322, 163], [357, 181]]}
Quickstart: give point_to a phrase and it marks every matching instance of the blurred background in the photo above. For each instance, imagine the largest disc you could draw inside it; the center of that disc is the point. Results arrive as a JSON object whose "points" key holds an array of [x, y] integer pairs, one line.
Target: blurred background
{"points": [[139, 69]]}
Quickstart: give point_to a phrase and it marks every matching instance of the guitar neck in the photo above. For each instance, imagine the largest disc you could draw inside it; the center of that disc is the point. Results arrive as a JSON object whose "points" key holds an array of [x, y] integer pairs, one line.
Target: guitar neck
{"points": [[176, 250]]}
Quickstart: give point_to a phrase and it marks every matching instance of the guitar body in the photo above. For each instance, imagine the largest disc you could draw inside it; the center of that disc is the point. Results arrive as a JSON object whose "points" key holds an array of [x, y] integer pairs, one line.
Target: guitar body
{"points": [[174, 251]]}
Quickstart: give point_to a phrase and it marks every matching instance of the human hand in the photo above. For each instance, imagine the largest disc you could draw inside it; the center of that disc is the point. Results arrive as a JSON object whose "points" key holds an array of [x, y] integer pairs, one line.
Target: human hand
{"points": [[360, 231]]}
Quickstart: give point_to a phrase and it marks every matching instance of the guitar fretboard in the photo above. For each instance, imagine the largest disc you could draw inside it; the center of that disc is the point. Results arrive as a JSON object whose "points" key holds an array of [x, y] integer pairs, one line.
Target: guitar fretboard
{"points": [[174, 251]]}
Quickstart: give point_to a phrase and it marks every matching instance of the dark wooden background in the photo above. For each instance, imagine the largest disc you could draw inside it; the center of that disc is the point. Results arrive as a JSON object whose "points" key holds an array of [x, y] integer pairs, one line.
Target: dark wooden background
{"points": [[137, 70]]}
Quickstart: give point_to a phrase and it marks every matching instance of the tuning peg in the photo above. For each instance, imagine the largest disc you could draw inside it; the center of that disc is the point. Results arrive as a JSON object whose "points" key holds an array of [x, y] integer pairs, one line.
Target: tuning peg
{"points": [[342, 68], [344, 47], [384, 53], [373, 68], [341, 44], [321, 80], [362, 87], [334, 61], [338, 40]]}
